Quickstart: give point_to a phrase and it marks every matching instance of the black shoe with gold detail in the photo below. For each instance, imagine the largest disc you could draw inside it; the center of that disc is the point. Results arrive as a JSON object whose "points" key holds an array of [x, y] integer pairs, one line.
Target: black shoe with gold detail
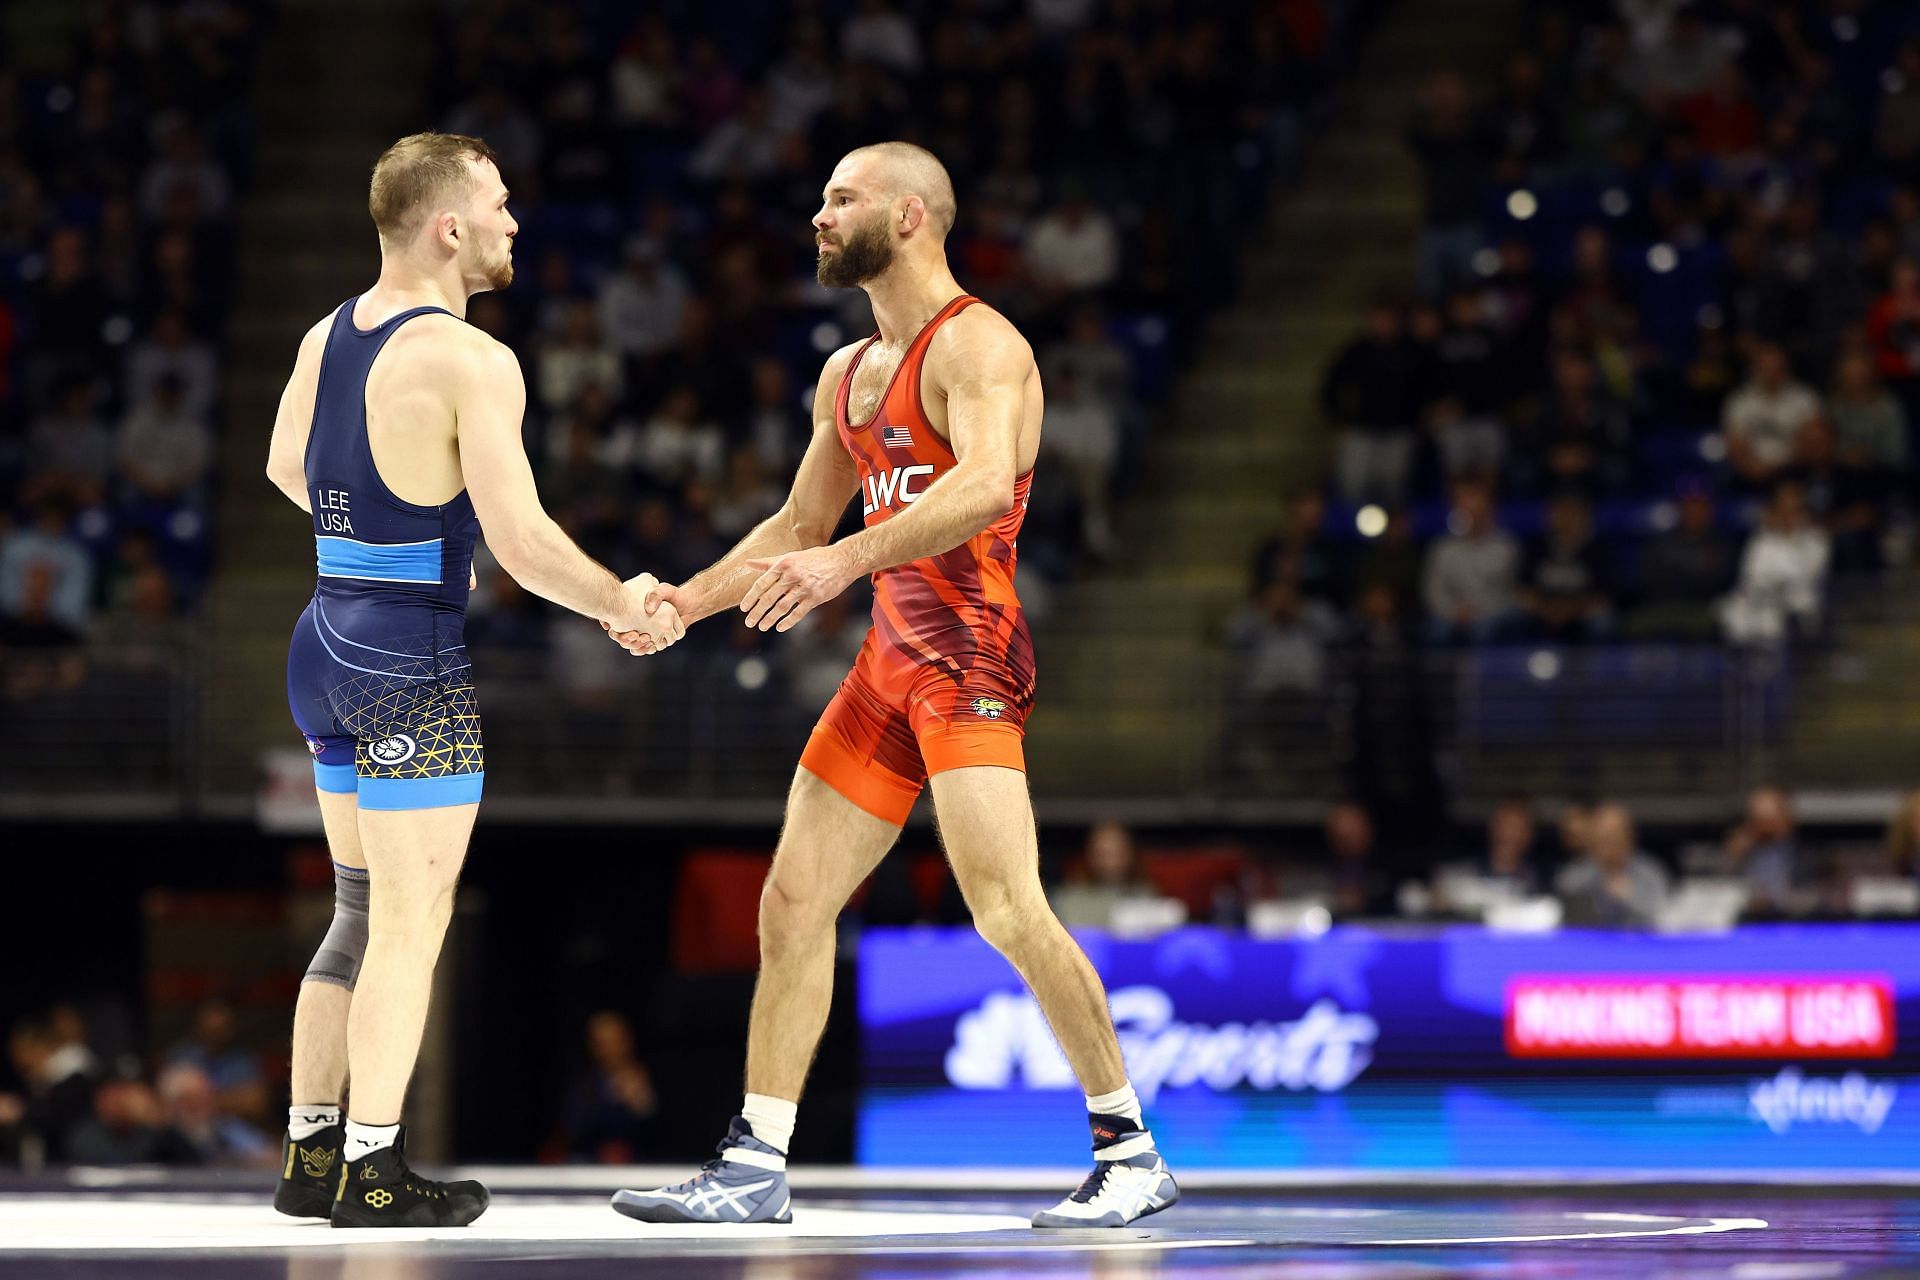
{"points": [[379, 1190], [309, 1174]]}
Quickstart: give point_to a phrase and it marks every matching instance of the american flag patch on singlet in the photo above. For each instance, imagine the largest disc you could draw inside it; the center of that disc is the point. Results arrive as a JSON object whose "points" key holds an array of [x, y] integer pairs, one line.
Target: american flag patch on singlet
{"points": [[897, 438]]}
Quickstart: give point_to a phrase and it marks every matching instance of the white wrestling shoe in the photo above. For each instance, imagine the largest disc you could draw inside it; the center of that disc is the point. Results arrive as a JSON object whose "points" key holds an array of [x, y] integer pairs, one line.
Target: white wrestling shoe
{"points": [[1129, 1181]]}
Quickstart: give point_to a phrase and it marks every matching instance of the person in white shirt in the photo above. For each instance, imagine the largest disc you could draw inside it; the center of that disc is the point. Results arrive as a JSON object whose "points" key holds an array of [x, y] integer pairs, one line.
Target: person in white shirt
{"points": [[1783, 574], [1764, 418]]}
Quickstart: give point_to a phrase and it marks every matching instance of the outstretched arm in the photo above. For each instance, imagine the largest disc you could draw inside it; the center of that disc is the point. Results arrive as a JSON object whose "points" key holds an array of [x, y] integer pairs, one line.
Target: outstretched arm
{"points": [[987, 371], [489, 399], [825, 483]]}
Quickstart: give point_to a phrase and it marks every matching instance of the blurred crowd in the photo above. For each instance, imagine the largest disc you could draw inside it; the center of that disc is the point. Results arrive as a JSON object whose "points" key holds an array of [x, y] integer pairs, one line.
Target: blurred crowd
{"points": [[1657, 374], [1589, 867], [204, 1101], [664, 166], [124, 139]]}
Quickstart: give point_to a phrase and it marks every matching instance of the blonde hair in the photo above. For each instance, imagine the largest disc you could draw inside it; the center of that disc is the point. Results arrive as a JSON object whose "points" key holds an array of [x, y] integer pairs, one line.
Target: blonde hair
{"points": [[1902, 842], [417, 171]]}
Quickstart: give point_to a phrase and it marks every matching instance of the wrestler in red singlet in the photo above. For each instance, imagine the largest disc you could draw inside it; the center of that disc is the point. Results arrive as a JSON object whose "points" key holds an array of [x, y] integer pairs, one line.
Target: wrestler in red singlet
{"points": [[946, 677]]}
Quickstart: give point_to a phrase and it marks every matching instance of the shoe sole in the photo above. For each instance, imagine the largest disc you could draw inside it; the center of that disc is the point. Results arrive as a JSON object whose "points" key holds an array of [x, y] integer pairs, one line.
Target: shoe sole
{"points": [[628, 1205], [303, 1202], [1071, 1224]]}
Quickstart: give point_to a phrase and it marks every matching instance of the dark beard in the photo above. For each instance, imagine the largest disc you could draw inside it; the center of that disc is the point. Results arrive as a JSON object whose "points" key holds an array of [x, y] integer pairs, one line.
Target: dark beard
{"points": [[863, 255]]}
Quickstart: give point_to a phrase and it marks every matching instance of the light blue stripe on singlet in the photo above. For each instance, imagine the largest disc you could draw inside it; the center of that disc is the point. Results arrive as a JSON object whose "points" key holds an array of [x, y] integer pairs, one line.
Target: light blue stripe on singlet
{"points": [[421, 793], [337, 779], [379, 562]]}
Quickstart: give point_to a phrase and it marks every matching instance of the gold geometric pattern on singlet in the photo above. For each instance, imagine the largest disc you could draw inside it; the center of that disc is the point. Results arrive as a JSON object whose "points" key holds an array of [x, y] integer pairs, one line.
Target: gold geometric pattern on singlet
{"points": [[406, 731]]}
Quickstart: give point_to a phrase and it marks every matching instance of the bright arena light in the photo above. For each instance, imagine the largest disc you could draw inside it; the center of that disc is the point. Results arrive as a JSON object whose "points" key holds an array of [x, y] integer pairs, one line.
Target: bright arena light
{"points": [[826, 336], [1544, 665], [1615, 203], [1371, 521], [1662, 258], [752, 673], [1522, 205]]}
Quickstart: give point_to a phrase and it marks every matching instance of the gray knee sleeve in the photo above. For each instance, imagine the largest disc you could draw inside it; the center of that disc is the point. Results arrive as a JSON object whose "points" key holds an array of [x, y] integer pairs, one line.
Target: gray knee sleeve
{"points": [[338, 960]]}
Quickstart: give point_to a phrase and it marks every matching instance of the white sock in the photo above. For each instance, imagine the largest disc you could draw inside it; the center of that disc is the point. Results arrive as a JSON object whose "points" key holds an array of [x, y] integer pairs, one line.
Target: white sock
{"points": [[304, 1122], [1122, 1102], [772, 1119], [365, 1139]]}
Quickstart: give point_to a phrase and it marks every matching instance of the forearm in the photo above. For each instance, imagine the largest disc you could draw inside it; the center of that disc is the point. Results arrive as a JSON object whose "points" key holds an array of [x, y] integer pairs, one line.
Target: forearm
{"points": [[723, 584], [544, 560], [952, 510]]}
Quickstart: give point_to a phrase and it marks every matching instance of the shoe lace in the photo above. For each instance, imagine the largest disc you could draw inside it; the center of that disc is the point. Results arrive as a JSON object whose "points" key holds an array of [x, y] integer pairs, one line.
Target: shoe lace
{"points": [[1090, 1185]]}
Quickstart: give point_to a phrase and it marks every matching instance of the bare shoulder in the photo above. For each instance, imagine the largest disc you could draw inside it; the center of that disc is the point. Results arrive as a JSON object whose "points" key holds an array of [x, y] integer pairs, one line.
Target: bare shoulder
{"points": [[446, 347], [832, 371], [979, 341]]}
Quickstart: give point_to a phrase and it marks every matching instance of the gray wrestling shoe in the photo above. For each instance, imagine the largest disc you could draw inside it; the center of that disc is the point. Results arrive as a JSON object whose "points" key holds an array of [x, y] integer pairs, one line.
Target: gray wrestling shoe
{"points": [[1129, 1181], [745, 1182]]}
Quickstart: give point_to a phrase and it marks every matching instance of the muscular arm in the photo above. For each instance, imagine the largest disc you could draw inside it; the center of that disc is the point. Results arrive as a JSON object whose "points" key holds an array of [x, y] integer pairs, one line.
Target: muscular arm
{"points": [[490, 398], [985, 366], [825, 483], [287, 454]]}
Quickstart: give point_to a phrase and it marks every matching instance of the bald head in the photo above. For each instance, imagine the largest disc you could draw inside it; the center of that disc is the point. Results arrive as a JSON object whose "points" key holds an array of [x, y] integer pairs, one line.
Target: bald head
{"points": [[901, 169]]}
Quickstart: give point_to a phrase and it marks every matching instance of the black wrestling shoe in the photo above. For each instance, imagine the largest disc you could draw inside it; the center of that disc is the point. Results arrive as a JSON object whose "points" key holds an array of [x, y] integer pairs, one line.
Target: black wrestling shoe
{"points": [[379, 1190], [310, 1174]]}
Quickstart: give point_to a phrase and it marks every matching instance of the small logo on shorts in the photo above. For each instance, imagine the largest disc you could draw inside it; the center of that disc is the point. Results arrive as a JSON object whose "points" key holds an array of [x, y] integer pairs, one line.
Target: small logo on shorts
{"points": [[988, 707], [391, 751]]}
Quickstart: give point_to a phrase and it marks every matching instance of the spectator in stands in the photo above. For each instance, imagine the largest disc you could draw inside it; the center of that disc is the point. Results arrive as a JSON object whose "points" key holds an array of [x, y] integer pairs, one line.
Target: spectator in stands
{"points": [[127, 1126], [880, 34], [171, 350], [1361, 887], [745, 147], [1869, 426], [58, 1081], [1765, 416], [1845, 501], [1613, 883], [514, 135], [1783, 573], [183, 165], [1507, 863], [1566, 582], [207, 1131], [43, 568], [778, 427], [1083, 439], [1584, 433], [233, 1072], [1762, 851], [1074, 247], [644, 304], [1898, 134], [1893, 331], [165, 452], [1684, 572], [678, 443], [608, 1116], [576, 360], [69, 306], [1108, 875], [1467, 446], [70, 448], [820, 649], [1471, 574], [1454, 161], [1365, 398], [1280, 647], [1303, 553], [1283, 644]]}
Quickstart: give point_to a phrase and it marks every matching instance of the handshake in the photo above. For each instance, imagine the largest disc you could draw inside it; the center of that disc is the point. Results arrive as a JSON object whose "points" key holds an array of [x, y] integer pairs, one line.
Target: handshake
{"points": [[647, 620]]}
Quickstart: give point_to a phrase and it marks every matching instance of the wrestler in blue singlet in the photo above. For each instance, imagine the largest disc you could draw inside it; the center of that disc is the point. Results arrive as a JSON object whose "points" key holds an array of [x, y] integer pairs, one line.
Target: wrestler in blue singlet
{"points": [[378, 675]]}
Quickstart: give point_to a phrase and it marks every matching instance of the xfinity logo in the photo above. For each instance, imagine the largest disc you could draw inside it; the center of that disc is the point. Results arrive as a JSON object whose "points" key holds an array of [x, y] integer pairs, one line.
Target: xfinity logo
{"points": [[1005, 1044], [1791, 1097]]}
